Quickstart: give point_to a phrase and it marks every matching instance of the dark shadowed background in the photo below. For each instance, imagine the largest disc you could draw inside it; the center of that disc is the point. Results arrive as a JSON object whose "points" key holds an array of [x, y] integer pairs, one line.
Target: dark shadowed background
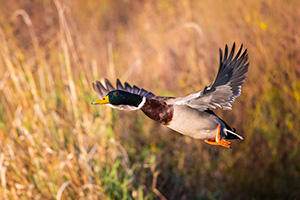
{"points": [[55, 145]]}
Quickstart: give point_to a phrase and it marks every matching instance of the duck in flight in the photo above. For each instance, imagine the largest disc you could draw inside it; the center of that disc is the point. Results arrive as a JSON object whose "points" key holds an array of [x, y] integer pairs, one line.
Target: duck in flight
{"points": [[190, 115]]}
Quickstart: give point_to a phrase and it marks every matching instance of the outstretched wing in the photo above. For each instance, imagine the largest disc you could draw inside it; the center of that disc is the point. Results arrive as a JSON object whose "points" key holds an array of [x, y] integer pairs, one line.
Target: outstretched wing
{"points": [[103, 89], [227, 85]]}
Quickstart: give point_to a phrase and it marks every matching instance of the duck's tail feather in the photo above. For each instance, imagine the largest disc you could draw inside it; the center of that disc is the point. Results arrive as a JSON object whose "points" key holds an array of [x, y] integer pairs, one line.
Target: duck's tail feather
{"points": [[230, 131], [232, 135]]}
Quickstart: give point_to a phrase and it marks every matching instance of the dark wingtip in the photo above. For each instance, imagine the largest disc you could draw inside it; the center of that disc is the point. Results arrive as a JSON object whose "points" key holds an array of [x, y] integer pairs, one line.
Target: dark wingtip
{"points": [[109, 86], [119, 85], [233, 46], [221, 55], [231, 53], [226, 52]]}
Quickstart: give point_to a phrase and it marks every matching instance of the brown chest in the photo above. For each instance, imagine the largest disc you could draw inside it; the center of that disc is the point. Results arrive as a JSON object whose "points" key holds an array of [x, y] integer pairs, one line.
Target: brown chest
{"points": [[158, 111]]}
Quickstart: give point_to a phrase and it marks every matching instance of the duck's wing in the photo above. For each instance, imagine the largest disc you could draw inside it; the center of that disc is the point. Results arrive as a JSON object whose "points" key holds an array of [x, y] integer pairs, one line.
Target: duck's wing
{"points": [[227, 85], [103, 89]]}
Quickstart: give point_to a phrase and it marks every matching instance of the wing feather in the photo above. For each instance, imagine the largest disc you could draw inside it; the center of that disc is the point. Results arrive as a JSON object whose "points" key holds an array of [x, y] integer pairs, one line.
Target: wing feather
{"points": [[128, 88], [119, 85], [109, 85], [227, 85]]}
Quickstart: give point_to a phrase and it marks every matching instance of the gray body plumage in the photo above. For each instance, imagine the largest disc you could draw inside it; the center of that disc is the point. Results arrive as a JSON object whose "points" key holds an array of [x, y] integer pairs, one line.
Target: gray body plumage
{"points": [[196, 124]]}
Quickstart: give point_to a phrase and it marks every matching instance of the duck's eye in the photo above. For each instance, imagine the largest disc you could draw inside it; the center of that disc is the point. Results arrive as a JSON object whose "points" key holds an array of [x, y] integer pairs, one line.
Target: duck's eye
{"points": [[116, 93]]}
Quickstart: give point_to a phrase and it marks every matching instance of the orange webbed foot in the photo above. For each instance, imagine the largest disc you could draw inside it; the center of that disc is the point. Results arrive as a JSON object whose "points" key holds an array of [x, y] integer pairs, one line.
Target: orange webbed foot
{"points": [[218, 140], [222, 142]]}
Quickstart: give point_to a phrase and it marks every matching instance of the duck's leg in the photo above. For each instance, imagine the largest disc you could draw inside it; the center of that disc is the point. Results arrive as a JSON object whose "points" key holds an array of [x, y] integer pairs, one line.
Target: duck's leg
{"points": [[218, 140]]}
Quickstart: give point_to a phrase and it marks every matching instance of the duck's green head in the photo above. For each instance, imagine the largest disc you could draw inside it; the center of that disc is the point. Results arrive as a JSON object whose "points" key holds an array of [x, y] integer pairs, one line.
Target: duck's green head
{"points": [[119, 97]]}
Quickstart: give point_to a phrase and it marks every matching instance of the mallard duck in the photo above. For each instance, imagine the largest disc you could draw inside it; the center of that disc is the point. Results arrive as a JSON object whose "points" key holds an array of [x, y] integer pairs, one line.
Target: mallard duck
{"points": [[190, 115]]}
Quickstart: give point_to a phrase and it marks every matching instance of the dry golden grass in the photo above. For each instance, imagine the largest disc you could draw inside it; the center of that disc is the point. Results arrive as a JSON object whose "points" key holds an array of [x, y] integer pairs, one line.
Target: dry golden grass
{"points": [[55, 145]]}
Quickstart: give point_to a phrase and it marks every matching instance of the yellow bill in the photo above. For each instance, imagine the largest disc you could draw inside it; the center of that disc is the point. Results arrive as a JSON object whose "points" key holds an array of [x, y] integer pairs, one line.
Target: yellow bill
{"points": [[101, 101]]}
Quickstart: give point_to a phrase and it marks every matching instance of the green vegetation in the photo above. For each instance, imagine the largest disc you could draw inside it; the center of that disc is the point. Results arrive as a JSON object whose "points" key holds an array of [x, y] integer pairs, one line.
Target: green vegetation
{"points": [[55, 145]]}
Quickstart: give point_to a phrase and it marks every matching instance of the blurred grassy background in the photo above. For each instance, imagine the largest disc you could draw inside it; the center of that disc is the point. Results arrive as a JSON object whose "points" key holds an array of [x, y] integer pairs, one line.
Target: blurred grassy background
{"points": [[55, 145]]}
